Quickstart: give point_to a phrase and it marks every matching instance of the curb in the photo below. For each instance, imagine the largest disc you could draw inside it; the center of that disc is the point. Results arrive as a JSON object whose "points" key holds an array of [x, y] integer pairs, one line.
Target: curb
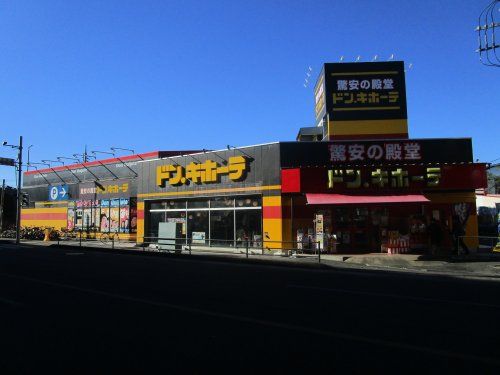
{"points": [[297, 263], [228, 258]]}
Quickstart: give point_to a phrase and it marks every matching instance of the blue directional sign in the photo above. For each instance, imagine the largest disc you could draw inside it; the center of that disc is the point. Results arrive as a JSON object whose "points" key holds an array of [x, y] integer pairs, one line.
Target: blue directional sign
{"points": [[58, 193]]}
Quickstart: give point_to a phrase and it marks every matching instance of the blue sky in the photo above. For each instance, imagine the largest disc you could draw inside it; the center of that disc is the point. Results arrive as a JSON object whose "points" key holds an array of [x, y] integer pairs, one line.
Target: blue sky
{"points": [[162, 75]]}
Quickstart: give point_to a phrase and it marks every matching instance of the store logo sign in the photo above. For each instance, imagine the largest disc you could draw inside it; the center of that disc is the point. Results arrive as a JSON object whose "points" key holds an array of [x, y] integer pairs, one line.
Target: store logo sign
{"points": [[105, 189], [201, 173], [383, 178]]}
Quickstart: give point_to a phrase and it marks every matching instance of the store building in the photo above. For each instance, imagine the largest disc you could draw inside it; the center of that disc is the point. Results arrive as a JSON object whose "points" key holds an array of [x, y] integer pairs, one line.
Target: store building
{"points": [[365, 183], [99, 195]]}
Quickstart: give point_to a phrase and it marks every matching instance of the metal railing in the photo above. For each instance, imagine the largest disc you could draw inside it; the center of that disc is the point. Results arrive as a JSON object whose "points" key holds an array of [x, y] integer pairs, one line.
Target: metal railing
{"points": [[486, 244], [183, 245]]}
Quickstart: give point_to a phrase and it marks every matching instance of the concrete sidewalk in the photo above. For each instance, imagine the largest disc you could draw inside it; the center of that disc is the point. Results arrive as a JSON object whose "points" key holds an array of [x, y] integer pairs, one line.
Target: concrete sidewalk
{"points": [[486, 265], [476, 265]]}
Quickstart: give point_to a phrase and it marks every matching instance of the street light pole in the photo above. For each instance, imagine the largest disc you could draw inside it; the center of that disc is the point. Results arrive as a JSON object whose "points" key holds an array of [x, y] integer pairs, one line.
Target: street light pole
{"points": [[19, 177]]}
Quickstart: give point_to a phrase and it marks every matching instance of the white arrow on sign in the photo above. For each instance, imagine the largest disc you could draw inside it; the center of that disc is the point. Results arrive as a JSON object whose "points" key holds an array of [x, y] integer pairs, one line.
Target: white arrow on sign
{"points": [[62, 193]]}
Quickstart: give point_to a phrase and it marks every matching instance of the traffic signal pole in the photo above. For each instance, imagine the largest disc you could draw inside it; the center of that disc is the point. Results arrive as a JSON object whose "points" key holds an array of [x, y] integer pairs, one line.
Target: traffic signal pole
{"points": [[19, 176]]}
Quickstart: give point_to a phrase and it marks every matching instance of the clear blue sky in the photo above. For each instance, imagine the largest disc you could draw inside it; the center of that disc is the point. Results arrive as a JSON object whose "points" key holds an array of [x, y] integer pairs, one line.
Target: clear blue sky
{"points": [[161, 75]]}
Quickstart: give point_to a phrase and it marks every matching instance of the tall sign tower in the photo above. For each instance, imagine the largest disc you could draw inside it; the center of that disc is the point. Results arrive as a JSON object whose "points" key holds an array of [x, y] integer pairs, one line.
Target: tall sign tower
{"points": [[362, 101]]}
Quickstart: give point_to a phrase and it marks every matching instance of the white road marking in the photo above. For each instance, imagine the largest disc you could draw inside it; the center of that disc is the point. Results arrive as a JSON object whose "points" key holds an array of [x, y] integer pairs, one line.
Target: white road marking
{"points": [[267, 323], [396, 296]]}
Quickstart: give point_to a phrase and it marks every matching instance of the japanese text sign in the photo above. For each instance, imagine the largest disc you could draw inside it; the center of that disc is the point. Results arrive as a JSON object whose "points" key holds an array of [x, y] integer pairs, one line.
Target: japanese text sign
{"points": [[365, 91], [201, 173], [105, 189], [383, 178], [389, 151], [376, 152]]}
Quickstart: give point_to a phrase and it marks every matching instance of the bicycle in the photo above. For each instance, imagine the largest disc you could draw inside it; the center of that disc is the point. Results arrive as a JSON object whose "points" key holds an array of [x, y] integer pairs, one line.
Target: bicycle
{"points": [[66, 235], [107, 238]]}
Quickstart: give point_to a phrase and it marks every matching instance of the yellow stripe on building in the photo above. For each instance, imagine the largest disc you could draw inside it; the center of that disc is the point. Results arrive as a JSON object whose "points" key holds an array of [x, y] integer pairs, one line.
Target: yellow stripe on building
{"points": [[399, 126], [365, 108], [209, 191]]}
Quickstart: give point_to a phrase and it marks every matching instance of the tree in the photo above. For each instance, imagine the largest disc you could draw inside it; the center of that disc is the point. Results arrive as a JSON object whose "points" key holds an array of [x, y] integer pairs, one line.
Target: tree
{"points": [[9, 211]]}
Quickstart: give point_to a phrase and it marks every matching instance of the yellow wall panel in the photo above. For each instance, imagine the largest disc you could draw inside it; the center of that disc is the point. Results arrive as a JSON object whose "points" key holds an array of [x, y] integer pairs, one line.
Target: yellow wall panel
{"points": [[399, 126], [271, 201], [273, 229]]}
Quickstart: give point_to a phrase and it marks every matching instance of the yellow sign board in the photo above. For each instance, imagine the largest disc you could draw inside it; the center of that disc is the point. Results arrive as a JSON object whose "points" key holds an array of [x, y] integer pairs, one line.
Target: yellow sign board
{"points": [[201, 173]]}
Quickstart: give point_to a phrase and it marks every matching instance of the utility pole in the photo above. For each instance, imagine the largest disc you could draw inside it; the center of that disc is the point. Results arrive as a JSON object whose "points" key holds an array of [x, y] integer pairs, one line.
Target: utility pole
{"points": [[2, 202], [19, 177]]}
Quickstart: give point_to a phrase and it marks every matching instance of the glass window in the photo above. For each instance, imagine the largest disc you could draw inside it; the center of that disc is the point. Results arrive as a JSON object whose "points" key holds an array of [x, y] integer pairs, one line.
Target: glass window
{"points": [[222, 202], [79, 218], [249, 202], [154, 219], [360, 217], [158, 205], [197, 203], [222, 228], [87, 218], [176, 204], [341, 217], [97, 218], [249, 227], [198, 226], [177, 217]]}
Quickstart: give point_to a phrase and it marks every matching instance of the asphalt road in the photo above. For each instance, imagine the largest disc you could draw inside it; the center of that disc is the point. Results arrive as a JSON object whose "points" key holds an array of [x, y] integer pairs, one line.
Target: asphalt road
{"points": [[94, 312]]}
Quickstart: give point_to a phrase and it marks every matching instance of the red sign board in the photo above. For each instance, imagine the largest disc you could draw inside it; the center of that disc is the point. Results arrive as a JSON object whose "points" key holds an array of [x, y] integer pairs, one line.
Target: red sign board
{"points": [[389, 179]]}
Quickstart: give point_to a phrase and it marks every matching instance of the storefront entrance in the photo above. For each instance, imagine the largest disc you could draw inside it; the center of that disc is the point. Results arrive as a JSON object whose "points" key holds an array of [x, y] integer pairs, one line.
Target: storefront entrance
{"points": [[369, 228], [215, 221]]}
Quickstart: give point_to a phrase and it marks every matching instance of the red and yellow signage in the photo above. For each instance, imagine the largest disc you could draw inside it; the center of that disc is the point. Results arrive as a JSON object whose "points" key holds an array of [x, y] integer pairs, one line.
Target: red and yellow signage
{"points": [[201, 173]]}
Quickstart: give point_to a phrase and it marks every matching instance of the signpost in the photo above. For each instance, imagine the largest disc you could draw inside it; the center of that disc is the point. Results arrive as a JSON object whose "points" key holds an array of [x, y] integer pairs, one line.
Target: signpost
{"points": [[58, 193]]}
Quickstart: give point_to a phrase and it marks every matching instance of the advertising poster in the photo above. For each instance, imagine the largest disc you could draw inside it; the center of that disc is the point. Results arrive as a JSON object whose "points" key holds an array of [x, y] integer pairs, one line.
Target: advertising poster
{"points": [[71, 219], [133, 219], [114, 215], [133, 215], [319, 230], [198, 237], [462, 211], [124, 219], [104, 217]]}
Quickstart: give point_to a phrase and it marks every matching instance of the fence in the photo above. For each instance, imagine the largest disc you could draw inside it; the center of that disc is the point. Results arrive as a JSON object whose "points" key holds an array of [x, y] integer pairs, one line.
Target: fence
{"points": [[189, 246]]}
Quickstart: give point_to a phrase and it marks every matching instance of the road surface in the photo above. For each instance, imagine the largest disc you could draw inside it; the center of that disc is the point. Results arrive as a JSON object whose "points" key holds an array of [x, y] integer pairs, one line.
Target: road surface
{"points": [[89, 311]]}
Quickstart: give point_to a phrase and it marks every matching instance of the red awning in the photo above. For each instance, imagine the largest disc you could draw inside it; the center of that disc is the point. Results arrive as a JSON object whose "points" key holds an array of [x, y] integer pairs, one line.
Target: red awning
{"points": [[363, 199]]}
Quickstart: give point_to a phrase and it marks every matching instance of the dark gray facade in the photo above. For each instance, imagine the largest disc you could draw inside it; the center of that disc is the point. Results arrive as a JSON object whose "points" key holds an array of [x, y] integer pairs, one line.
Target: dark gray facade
{"points": [[262, 169]]}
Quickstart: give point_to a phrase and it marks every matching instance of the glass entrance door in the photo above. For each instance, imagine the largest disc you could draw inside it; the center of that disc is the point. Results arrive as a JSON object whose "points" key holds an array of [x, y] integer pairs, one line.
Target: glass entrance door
{"points": [[352, 226]]}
